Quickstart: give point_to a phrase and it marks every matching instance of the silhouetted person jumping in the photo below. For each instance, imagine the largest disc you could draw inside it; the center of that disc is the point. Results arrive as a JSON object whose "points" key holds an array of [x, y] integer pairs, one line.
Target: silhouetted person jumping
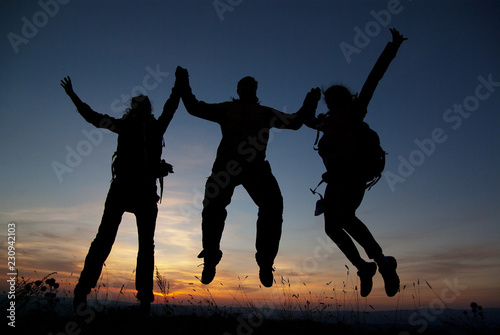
{"points": [[341, 151], [241, 160], [136, 167]]}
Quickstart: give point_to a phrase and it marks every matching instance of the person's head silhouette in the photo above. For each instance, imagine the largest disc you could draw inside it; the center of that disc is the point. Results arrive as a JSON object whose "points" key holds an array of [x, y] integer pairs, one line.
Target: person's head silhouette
{"points": [[338, 97], [247, 90], [140, 106]]}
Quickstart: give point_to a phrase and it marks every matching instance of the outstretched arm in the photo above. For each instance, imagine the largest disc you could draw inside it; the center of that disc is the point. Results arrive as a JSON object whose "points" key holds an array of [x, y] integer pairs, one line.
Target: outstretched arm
{"points": [[210, 112], [380, 68], [169, 108], [304, 115], [98, 120], [68, 88], [182, 85]]}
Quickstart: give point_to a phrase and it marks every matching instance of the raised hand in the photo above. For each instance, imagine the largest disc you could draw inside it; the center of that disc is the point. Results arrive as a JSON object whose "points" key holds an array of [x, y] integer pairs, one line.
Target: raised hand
{"points": [[315, 94], [181, 80], [181, 76], [66, 84], [68, 87], [397, 37]]}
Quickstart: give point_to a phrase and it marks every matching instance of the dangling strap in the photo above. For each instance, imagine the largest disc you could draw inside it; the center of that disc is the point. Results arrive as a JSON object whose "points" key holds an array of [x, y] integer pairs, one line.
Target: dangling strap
{"points": [[320, 119], [315, 146], [314, 191], [324, 179], [161, 178], [161, 187], [320, 204], [372, 183], [113, 168]]}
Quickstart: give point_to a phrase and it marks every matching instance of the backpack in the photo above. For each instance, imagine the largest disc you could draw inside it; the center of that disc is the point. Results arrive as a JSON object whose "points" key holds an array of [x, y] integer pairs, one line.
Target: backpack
{"points": [[371, 161], [372, 158], [158, 167]]}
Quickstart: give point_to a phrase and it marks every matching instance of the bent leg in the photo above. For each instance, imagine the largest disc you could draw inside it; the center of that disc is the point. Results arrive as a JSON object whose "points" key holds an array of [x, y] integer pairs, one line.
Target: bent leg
{"points": [[339, 212], [361, 234], [343, 199]]}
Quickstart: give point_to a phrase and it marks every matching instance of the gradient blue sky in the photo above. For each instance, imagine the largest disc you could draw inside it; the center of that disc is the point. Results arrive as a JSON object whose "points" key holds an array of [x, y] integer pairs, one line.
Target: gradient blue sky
{"points": [[436, 209]]}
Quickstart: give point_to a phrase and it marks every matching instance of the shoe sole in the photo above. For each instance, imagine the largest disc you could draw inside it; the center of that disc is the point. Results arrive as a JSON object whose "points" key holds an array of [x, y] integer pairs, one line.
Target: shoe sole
{"points": [[207, 276], [391, 278], [368, 276]]}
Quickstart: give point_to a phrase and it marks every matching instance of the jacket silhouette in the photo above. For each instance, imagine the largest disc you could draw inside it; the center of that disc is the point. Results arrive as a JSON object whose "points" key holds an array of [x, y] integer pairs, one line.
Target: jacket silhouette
{"points": [[135, 169], [341, 148], [241, 160]]}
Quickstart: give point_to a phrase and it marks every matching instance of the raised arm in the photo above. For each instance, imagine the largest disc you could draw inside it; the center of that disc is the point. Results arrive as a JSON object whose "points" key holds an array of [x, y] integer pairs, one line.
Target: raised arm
{"points": [[380, 68], [210, 112], [98, 120], [68, 88], [306, 114], [169, 108]]}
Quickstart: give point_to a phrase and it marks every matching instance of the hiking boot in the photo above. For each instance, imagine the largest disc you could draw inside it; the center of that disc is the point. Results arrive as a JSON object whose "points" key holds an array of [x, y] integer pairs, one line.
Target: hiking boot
{"points": [[366, 274], [266, 275], [208, 273], [79, 300], [387, 268], [210, 262]]}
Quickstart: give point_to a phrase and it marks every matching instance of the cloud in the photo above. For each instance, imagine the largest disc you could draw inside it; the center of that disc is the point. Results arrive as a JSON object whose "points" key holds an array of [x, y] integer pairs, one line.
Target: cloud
{"points": [[57, 239], [467, 261]]}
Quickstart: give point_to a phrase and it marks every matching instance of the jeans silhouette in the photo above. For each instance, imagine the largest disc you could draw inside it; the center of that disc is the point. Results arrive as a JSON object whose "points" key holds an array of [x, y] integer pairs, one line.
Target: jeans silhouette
{"points": [[139, 199], [343, 195], [261, 185]]}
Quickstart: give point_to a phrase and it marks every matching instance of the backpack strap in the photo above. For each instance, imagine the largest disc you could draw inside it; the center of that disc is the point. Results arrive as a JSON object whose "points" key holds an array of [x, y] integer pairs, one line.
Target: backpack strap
{"points": [[320, 207], [161, 187], [160, 179], [315, 146], [320, 121], [372, 183], [113, 166], [324, 179]]}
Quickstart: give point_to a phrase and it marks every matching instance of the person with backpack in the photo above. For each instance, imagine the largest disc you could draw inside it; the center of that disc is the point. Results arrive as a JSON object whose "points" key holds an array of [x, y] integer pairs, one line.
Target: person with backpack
{"points": [[354, 159], [241, 160], [136, 167]]}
